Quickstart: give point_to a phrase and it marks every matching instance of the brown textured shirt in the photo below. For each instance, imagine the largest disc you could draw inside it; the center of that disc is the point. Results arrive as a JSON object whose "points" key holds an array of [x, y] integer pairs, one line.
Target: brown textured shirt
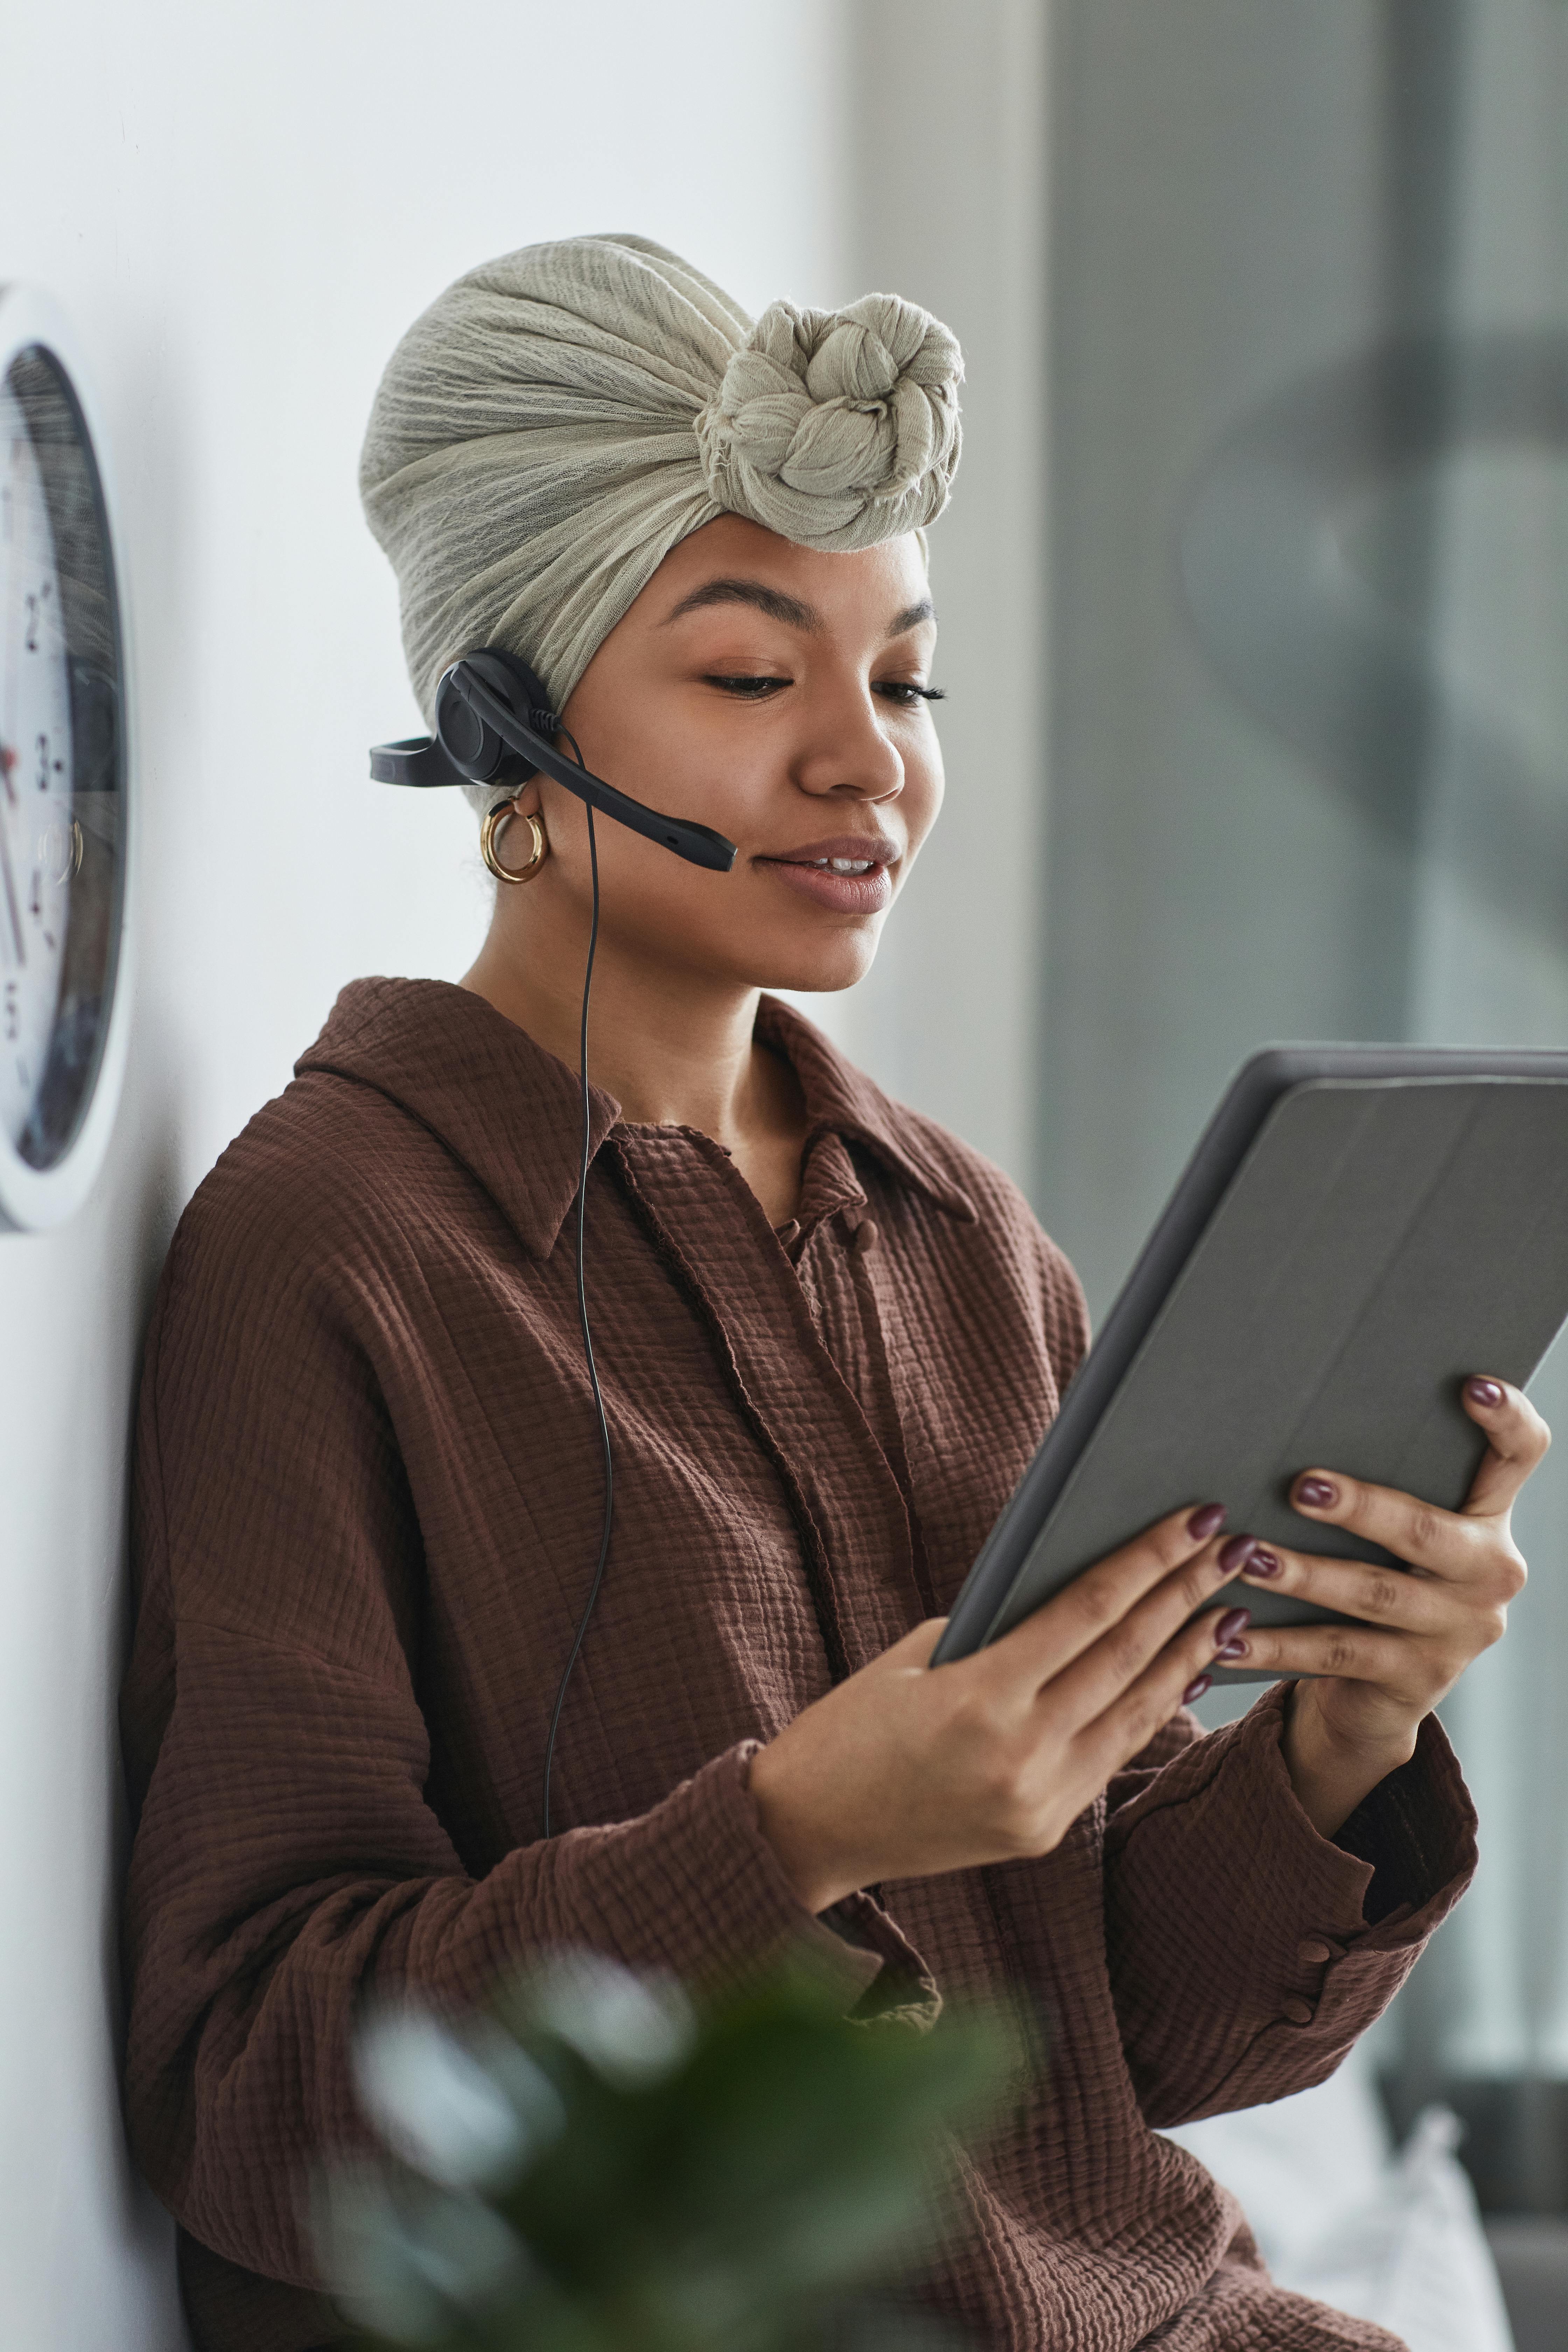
{"points": [[368, 1507]]}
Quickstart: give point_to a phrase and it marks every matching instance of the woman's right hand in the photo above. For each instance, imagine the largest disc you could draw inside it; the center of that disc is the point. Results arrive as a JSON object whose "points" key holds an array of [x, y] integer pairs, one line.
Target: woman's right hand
{"points": [[904, 1769]]}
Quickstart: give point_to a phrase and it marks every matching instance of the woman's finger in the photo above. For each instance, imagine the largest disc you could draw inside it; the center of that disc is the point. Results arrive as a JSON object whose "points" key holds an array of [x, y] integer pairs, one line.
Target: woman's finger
{"points": [[1178, 1676], [1360, 1654], [914, 1648], [1517, 1443], [1448, 1544], [1183, 1552], [1096, 1678], [1445, 1544], [1355, 1588]]}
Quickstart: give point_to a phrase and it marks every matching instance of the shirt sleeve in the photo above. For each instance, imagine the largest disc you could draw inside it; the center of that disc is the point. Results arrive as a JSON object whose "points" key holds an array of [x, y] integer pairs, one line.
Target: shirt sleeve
{"points": [[1248, 1953], [285, 1856]]}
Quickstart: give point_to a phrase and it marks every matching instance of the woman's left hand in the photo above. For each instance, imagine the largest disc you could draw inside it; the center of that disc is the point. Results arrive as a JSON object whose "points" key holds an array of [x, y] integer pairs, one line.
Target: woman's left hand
{"points": [[1374, 1681]]}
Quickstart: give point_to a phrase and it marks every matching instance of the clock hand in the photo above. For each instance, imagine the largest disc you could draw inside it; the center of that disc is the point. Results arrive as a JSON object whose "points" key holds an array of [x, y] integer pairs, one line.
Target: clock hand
{"points": [[11, 900], [7, 762]]}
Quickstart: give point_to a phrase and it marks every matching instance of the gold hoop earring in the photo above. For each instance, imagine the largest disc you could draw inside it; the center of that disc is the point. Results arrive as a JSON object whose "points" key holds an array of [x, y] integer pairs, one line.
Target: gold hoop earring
{"points": [[491, 832]]}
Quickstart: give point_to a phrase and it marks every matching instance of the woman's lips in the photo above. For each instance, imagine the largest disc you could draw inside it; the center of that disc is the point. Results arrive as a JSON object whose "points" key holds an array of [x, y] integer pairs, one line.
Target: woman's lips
{"points": [[851, 873]]}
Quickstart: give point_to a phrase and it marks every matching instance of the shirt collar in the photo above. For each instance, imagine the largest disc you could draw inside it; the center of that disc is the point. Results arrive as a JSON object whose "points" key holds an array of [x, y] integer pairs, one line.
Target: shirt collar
{"points": [[842, 1100], [510, 1111], [503, 1106]]}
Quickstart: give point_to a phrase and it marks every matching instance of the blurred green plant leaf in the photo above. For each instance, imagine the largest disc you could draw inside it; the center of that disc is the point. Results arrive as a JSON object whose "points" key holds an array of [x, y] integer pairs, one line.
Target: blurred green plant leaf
{"points": [[591, 2165]]}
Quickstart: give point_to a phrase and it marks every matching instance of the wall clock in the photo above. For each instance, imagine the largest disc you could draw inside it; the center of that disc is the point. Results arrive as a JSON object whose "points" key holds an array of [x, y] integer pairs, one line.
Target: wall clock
{"points": [[65, 781]]}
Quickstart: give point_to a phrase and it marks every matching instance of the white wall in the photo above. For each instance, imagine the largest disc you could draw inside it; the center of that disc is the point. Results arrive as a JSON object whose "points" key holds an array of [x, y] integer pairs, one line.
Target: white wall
{"points": [[949, 208], [242, 209]]}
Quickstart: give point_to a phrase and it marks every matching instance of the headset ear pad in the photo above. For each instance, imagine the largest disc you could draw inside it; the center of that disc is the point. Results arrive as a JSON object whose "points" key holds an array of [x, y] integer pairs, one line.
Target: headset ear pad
{"points": [[473, 747]]}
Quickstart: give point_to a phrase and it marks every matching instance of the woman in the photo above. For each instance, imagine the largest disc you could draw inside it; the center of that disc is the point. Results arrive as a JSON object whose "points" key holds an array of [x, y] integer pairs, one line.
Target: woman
{"points": [[830, 1337]]}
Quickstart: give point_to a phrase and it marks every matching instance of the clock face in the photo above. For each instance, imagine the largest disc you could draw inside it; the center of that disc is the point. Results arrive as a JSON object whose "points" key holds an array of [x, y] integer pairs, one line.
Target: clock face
{"points": [[37, 843], [62, 775]]}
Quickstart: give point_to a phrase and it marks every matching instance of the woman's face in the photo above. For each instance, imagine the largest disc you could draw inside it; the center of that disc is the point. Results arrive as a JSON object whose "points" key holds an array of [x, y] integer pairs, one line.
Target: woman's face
{"points": [[776, 694]]}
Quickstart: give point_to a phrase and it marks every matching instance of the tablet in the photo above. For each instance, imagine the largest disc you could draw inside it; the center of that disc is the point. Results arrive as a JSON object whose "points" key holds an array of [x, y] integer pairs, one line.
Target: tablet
{"points": [[1359, 1230]]}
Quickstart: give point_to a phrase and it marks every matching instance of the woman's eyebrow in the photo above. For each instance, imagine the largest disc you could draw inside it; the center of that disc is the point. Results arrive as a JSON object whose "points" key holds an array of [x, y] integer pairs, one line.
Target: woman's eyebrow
{"points": [[790, 610], [912, 616], [771, 601]]}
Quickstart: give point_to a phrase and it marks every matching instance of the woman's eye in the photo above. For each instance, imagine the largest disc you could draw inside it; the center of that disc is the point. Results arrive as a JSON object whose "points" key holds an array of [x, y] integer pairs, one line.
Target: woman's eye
{"points": [[902, 692], [748, 689]]}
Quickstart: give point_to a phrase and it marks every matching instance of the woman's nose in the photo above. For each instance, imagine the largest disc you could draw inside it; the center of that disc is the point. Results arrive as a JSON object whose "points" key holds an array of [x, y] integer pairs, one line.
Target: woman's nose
{"points": [[849, 752]]}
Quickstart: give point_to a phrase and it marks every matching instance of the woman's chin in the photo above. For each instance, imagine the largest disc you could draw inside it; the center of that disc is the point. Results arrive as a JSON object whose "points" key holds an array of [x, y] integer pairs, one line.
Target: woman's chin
{"points": [[823, 970]]}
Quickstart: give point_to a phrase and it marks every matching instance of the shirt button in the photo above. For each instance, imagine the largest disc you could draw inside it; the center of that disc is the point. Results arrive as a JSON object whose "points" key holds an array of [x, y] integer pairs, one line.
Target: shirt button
{"points": [[1313, 1953], [1298, 2012], [866, 1234]]}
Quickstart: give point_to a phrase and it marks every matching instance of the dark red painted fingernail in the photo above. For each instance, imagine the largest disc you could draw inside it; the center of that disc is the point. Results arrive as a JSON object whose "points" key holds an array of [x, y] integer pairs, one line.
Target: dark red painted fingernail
{"points": [[1234, 1621], [1264, 1562], [1197, 1690], [1238, 1553], [1207, 1521], [1318, 1493], [1480, 1391], [1232, 1650]]}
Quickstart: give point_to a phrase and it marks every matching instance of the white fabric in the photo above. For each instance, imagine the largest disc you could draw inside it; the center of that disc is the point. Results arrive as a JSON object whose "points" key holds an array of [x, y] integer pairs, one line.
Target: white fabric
{"points": [[559, 418], [1394, 2238]]}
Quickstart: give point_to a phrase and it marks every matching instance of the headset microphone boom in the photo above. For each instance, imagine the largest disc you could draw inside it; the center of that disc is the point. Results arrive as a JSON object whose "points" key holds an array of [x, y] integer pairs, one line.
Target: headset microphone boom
{"points": [[493, 719]]}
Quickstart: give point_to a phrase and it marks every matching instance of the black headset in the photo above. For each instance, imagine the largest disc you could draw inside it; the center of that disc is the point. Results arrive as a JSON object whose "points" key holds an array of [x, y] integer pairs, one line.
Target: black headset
{"points": [[493, 721], [494, 726]]}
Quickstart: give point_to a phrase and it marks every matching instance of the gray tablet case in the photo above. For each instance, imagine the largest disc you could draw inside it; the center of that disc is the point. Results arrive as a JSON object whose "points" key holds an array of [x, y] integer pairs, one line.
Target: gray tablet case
{"points": [[1359, 1230]]}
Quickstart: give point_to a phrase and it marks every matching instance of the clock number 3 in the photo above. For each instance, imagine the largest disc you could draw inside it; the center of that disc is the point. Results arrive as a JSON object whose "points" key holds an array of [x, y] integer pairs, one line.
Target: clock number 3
{"points": [[35, 610]]}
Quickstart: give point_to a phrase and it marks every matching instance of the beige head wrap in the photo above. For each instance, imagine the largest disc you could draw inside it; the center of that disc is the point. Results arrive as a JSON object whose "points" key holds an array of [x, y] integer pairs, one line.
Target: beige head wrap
{"points": [[559, 419]]}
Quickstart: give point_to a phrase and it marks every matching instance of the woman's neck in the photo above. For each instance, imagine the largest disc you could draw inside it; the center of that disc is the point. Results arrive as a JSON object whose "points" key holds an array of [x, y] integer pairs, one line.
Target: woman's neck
{"points": [[674, 1047]]}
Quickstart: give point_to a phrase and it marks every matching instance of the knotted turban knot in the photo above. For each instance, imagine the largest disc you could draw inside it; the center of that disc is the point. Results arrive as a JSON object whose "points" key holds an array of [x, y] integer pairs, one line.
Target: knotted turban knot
{"points": [[561, 417], [837, 428]]}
